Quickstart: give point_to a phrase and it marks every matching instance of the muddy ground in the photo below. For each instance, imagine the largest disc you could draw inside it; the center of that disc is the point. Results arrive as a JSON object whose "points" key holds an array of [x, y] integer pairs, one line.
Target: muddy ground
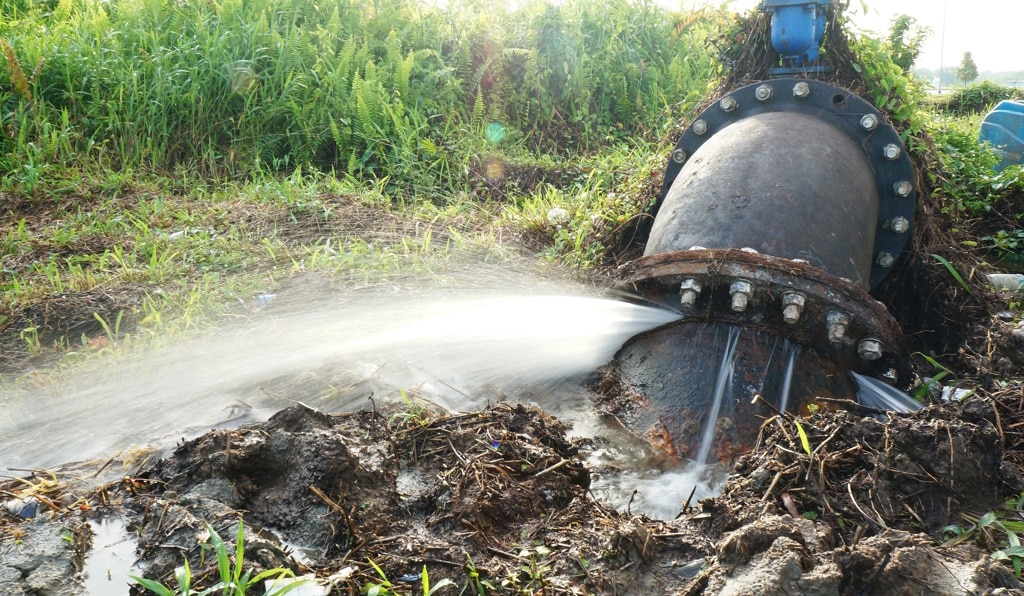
{"points": [[497, 501]]}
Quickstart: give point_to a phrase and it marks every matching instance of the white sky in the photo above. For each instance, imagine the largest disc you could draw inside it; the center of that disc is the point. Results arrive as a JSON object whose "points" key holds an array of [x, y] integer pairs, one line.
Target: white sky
{"points": [[991, 30]]}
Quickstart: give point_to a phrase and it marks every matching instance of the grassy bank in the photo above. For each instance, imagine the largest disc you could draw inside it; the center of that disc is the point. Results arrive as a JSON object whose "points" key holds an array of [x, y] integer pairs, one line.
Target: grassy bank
{"points": [[162, 164], [389, 89]]}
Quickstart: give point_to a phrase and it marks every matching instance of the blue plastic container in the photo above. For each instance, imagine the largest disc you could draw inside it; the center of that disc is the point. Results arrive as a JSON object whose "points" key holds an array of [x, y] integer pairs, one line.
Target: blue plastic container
{"points": [[1003, 127]]}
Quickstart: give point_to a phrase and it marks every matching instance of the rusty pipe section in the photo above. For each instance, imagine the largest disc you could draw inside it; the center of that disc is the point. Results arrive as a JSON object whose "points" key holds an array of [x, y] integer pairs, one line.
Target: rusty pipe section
{"points": [[784, 203]]}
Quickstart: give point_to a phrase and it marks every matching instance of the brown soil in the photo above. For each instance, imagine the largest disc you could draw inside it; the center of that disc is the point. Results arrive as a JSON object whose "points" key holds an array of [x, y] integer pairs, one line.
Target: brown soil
{"points": [[500, 496]]}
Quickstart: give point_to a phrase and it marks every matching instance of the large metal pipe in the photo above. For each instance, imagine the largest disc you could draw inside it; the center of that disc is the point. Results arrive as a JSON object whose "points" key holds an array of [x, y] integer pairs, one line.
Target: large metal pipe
{"points": [[731, 194], [784, 203]]}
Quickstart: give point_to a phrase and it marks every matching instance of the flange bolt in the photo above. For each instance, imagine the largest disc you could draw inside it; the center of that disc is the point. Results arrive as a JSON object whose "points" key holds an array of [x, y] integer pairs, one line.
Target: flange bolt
{"points": [[689, 290], [801, 90], [792, 306], [741, 291], [679, 155], [837, 323], [898, 225], [892, 152], [869, 349], [903, 188], [885, 259], [700, 127], [728, 103], [869, 122], [763, 92]]}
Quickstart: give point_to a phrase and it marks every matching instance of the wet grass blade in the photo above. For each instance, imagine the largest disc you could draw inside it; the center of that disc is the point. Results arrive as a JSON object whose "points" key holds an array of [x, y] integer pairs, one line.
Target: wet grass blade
{"points": [[952, 271], [804, 442]]}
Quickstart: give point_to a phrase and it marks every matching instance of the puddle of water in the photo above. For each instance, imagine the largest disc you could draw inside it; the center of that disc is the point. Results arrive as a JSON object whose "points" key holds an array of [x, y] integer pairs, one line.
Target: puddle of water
{"points": [[658, 495], [111, 560]]}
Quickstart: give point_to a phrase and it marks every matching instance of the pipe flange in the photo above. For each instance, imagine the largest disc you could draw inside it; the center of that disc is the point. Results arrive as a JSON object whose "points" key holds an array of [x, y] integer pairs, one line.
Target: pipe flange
{"points": [[847, 112], [787, 297]]}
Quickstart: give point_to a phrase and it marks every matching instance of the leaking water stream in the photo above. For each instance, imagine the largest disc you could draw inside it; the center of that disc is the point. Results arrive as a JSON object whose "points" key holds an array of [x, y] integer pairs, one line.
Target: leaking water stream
{"points": [[457, 349]]}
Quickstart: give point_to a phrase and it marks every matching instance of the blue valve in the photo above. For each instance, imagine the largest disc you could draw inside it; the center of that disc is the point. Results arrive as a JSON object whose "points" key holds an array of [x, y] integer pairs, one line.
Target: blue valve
{"points": [[798, 27]]}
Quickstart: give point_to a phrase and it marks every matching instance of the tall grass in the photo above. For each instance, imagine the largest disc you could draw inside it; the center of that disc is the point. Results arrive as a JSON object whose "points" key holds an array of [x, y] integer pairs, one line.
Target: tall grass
{"points": [[389, 88]]}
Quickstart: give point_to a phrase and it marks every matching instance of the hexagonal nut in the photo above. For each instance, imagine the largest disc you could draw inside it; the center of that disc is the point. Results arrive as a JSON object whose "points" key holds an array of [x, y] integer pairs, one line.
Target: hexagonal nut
{"points": [[741, 286], [690, 284], [869, 349], [794, 299]]}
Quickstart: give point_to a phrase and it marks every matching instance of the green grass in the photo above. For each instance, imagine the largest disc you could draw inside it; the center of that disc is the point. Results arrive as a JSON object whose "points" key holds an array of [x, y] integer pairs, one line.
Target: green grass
{"points": [[393, 89]]}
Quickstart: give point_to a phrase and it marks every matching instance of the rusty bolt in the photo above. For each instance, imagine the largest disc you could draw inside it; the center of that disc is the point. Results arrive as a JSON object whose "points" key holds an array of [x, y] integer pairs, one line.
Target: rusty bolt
{"points": [[689, 289], [869, 349], [837, 323], [792, 306], [741, 291]]}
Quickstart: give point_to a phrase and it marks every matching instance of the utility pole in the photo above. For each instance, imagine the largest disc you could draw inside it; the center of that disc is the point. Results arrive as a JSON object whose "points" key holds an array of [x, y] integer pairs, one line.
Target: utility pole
{"points": [[942, 43]]}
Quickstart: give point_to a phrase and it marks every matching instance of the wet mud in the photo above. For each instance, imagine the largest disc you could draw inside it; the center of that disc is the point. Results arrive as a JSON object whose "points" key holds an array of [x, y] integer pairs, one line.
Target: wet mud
{"points": [[497, 501]]}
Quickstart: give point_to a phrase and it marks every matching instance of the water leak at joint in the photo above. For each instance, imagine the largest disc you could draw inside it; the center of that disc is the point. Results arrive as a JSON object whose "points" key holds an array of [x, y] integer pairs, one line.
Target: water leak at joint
{"points": [[457, 348], [879, 395], [724, 381], [701, 380]]}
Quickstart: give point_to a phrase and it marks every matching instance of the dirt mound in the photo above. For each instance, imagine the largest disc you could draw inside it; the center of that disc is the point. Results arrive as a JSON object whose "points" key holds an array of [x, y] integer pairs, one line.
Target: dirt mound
{"points": [[497, 501]]}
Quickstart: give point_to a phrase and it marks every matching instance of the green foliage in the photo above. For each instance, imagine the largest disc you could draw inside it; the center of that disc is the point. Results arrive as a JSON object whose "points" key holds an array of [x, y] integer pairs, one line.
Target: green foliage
{"points": [[906, 38], [386, 588], [395, 90], [968, 70], [972, 188], [996, 531], [804, 441], [889, 87], [234, 580], [943, 372], [979, 98], [966, 170], [475, 585]]}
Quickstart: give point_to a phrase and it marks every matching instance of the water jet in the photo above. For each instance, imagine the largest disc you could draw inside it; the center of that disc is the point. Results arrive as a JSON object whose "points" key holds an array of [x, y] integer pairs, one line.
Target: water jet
{"points": [[784, 204]]}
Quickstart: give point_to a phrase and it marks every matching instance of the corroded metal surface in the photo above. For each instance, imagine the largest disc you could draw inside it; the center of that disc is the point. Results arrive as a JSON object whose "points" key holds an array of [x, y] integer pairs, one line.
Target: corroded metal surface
{"points": [[676, 368], [659, 277]]}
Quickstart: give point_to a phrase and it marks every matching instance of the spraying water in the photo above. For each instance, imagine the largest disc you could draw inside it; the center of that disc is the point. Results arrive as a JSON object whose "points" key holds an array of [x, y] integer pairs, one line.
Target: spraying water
{"points": [[792, 350], [331, 354], [724, 380], [879, 395]]}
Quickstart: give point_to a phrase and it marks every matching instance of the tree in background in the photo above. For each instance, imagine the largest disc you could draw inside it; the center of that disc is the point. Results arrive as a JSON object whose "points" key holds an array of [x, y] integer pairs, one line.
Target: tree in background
{"points": [[906, 37], [968, 70]]}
